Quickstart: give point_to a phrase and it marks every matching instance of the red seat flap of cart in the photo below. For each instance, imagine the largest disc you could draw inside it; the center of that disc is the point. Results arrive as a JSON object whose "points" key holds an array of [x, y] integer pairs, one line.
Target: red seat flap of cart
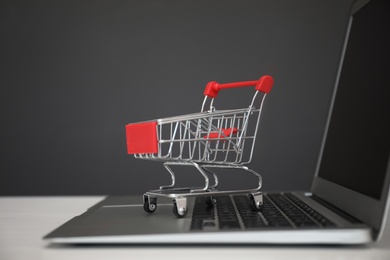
{"points": [[224, 132], [141, 138]]}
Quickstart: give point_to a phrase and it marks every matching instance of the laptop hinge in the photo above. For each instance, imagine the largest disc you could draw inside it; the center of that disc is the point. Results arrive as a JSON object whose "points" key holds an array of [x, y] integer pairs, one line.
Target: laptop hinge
{"points": [[336, 210]]}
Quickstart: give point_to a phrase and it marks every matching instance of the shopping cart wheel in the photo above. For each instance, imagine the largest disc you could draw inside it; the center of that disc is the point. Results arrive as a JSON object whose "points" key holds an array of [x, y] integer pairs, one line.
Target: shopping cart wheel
{"points": [[256, 201], [180, 207], [211, 201], [150, 204]]}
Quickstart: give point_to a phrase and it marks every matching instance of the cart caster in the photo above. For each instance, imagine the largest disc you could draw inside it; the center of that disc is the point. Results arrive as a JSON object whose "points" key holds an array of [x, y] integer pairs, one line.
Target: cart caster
{"points": [[150, 204], [180, 207], [211, 201], [256, 201]]}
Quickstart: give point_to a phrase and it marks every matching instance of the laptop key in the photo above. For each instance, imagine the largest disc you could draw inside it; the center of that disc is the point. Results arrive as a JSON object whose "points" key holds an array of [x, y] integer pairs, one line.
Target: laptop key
{"points": [[226, 213], [250, 218], [295, 214], [224, 224], [323, 221], [298, 212], [202, 215], [273, 215], [279, 210]]}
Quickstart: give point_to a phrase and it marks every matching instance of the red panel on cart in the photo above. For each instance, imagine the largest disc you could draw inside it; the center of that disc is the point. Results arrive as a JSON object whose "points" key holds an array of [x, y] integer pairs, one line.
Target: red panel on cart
{"points": [[141, 138]]}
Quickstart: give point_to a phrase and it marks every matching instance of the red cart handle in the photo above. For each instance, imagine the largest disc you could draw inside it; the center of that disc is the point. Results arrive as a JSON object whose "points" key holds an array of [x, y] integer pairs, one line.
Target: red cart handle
{"points": [[264, 84]]}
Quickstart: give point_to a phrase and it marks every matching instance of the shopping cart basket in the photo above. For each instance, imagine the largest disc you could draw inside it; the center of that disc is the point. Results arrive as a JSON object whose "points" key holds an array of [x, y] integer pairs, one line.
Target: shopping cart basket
{"points": [[209, 139]]}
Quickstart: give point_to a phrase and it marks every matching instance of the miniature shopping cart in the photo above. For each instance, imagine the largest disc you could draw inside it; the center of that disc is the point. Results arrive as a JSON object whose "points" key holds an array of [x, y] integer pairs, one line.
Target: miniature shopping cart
{"points": [[209, 139]]}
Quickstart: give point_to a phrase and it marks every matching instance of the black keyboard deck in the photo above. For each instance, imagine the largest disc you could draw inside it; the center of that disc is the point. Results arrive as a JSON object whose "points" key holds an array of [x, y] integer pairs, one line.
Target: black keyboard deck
{"points": [[279, 210]]}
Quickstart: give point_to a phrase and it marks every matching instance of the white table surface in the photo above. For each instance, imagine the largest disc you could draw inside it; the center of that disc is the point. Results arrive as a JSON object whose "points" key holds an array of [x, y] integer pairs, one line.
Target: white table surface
{"points": [[25, 220]]}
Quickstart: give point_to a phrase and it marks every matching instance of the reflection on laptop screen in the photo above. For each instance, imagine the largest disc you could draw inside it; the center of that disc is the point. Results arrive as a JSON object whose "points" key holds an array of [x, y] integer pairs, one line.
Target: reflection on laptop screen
{"points": [[357, 147]]}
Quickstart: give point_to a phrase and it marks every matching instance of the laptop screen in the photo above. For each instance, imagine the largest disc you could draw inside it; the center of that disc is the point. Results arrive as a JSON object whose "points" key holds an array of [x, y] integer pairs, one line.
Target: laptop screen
{"points": [[357, 147]]}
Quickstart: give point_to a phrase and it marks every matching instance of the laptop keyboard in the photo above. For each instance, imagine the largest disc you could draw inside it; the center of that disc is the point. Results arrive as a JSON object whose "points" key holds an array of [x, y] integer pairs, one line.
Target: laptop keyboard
{"points": [[279, 210]]}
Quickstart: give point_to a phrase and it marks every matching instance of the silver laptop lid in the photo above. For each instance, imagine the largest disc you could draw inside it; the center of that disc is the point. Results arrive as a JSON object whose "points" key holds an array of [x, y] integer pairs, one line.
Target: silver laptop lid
{"points": [[353, 170]]}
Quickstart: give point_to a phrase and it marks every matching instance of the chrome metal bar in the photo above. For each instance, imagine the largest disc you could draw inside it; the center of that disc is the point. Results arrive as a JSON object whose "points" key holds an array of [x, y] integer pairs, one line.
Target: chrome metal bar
{"points": [[172, 177]]}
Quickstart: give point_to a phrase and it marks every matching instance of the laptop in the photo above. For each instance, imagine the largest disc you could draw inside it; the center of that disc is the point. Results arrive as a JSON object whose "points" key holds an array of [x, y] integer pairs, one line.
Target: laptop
{"points": [[349, 198]]}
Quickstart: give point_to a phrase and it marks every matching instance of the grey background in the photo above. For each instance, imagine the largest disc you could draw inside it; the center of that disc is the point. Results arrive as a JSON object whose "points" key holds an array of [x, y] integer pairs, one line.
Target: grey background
{"points": [[73, 73]]}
